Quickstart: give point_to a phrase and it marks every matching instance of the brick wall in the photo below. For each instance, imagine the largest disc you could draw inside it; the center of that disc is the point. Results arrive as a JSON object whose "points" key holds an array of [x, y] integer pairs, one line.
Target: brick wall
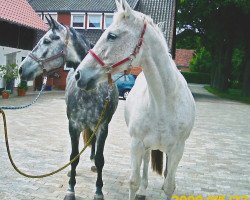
{"points": [[183, 58], [64, 18]]}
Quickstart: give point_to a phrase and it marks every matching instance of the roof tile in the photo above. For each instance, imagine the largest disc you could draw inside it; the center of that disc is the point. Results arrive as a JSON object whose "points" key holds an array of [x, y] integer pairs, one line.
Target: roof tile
{"points": [[20, 12], [77, 5]]}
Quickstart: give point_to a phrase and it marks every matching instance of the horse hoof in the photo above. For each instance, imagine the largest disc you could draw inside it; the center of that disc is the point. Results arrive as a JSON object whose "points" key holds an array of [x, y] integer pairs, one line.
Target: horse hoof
{"points": [[70, 196], [98, 197], [140, 197], [93, 169]]}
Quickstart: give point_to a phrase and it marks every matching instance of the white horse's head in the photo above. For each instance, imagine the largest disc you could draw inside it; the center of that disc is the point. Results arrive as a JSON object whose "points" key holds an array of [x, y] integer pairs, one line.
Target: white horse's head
{"points": [[51, 52], [118, 42]]}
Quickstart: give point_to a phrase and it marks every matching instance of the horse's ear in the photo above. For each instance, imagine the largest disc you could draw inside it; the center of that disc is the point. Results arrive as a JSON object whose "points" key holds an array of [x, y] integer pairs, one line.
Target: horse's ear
{"points": [[118, 5], [54, 24], [126, 8], [49, 22]]}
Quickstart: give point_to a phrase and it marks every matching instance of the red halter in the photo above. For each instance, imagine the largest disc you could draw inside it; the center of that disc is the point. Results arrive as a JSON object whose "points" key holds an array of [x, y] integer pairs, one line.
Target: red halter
{"points": [[129, 58]]}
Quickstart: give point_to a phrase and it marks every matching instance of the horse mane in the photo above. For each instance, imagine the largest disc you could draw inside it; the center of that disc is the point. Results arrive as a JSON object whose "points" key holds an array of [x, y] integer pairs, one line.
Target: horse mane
{"points": [[81, 46]]}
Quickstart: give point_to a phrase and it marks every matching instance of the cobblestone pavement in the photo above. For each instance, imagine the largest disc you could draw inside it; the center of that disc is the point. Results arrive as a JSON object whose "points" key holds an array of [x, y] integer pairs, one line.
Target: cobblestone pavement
{"points": [[215, 162]]}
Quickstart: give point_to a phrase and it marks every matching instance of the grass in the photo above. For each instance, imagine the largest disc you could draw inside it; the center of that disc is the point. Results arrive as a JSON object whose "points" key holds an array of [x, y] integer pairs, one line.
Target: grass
{"points": [[232, 94]]}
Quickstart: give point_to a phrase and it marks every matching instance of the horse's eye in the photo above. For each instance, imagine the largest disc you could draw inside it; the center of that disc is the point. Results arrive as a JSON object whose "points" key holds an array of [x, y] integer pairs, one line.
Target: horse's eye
{"points": [[56, 37], [111, 36], [46, 41]]}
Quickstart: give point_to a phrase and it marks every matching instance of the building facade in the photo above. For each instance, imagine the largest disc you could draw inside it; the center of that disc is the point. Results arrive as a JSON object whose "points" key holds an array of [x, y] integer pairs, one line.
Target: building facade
{"points": [[92, 17], [19, 25]]}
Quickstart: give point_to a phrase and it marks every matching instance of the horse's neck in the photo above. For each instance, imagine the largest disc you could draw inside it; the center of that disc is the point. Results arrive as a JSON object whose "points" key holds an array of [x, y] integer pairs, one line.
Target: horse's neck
{"points": [[160, 73], [77, 51]]}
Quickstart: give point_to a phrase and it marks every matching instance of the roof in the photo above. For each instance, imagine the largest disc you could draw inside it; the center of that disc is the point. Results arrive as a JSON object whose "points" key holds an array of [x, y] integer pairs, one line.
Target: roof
{"points": [[161, 11], [183, 57], [163, 14], [21, 13], [76, 5], [92, 35]]}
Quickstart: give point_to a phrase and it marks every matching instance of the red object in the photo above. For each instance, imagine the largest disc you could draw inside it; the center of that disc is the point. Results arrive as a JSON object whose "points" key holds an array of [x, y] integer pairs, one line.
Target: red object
{"points": [[20, 12], [60, 82], [50, 82], [183, 58], [5, 95], [64, 18], [21, 92], [135, 70]]}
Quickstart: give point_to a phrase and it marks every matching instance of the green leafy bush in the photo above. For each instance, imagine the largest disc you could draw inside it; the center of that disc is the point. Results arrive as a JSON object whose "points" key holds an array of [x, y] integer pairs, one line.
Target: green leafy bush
{"points": [[237, 60], [8, 72], [196, 77], [201, 62]]}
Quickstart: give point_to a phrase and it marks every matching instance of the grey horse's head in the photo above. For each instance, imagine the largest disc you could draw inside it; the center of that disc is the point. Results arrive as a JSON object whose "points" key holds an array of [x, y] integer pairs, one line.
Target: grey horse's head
{"points": [[58, 46]]}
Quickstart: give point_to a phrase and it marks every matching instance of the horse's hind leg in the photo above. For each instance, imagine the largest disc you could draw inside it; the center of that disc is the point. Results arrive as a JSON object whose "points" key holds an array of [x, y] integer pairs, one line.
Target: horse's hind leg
{"points": [[174, 158], [99, 161], [92, 155], [144, 181], [137, 151], [74, 135]]}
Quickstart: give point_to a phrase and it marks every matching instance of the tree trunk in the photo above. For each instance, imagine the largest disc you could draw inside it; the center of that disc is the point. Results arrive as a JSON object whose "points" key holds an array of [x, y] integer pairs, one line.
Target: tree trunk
{"points": [[222, 73], [246, 75]]}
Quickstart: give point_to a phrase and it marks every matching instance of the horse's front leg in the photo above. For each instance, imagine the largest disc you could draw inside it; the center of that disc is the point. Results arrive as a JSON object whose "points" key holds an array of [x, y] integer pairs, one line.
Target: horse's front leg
{"points": [[99, 161], [137, 151], [74, 135], [141, 194]]}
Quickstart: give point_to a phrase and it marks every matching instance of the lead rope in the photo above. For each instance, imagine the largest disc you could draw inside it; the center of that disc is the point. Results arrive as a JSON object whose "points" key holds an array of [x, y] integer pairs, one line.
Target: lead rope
{"points": [[28, 105], [101, 117], [64, 166]]}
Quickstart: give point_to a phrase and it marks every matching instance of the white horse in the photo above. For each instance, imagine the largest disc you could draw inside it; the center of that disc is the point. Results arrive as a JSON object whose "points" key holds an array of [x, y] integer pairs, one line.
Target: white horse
{"points": [[160, 109]]}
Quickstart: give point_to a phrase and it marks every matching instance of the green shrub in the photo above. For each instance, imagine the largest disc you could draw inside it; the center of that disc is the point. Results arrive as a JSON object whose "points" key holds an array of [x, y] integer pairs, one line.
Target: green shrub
{"points": [[196, 77], [23, 85], [201, 62]]}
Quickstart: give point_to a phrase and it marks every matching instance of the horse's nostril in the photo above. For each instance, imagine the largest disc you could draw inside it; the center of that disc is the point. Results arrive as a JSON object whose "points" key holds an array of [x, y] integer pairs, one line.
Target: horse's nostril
{"points": [[20, 70], [77, 76]]}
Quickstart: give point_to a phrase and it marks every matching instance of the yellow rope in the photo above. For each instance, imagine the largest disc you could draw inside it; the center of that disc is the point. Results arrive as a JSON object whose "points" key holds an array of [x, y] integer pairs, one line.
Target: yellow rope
{"points": [[66, 165]]}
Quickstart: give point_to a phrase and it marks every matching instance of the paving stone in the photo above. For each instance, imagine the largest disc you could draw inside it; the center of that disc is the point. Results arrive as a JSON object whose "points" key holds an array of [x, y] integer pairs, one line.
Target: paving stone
{"points": [[215, 162]]}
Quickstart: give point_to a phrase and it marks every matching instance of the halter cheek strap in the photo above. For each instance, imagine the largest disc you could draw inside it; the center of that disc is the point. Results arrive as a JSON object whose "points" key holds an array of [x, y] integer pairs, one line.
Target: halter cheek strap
{"points": [[130, 58], [62, 54]]}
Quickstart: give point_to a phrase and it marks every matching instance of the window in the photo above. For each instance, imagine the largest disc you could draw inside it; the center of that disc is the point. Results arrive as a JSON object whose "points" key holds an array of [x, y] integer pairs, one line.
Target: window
{"points": [[94, 21], [77, 21], [108, 19]]}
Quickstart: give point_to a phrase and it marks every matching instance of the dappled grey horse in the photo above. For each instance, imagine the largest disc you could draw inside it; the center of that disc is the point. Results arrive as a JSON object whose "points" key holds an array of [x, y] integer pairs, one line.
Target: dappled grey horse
{"points": [[62, 45]]}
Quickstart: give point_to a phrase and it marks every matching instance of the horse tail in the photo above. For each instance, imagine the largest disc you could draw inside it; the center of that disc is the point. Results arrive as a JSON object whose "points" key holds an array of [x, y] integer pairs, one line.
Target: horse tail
{"points": [[86, 134], [157, 161]]}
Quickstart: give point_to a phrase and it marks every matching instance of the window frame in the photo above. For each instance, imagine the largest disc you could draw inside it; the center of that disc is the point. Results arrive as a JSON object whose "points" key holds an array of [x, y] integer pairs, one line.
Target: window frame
{"points": [[40, 14], [101, 21], [78, 14], [104, 20]]}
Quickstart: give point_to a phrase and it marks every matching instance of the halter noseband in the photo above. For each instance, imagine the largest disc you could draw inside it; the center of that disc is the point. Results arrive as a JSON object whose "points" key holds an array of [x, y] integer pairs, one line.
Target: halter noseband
{"points": [[62, 53], [130, 58]]}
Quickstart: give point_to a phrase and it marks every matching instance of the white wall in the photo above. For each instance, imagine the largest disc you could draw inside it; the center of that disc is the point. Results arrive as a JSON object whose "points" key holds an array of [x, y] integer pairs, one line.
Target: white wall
{"points": [[21, 53]]}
